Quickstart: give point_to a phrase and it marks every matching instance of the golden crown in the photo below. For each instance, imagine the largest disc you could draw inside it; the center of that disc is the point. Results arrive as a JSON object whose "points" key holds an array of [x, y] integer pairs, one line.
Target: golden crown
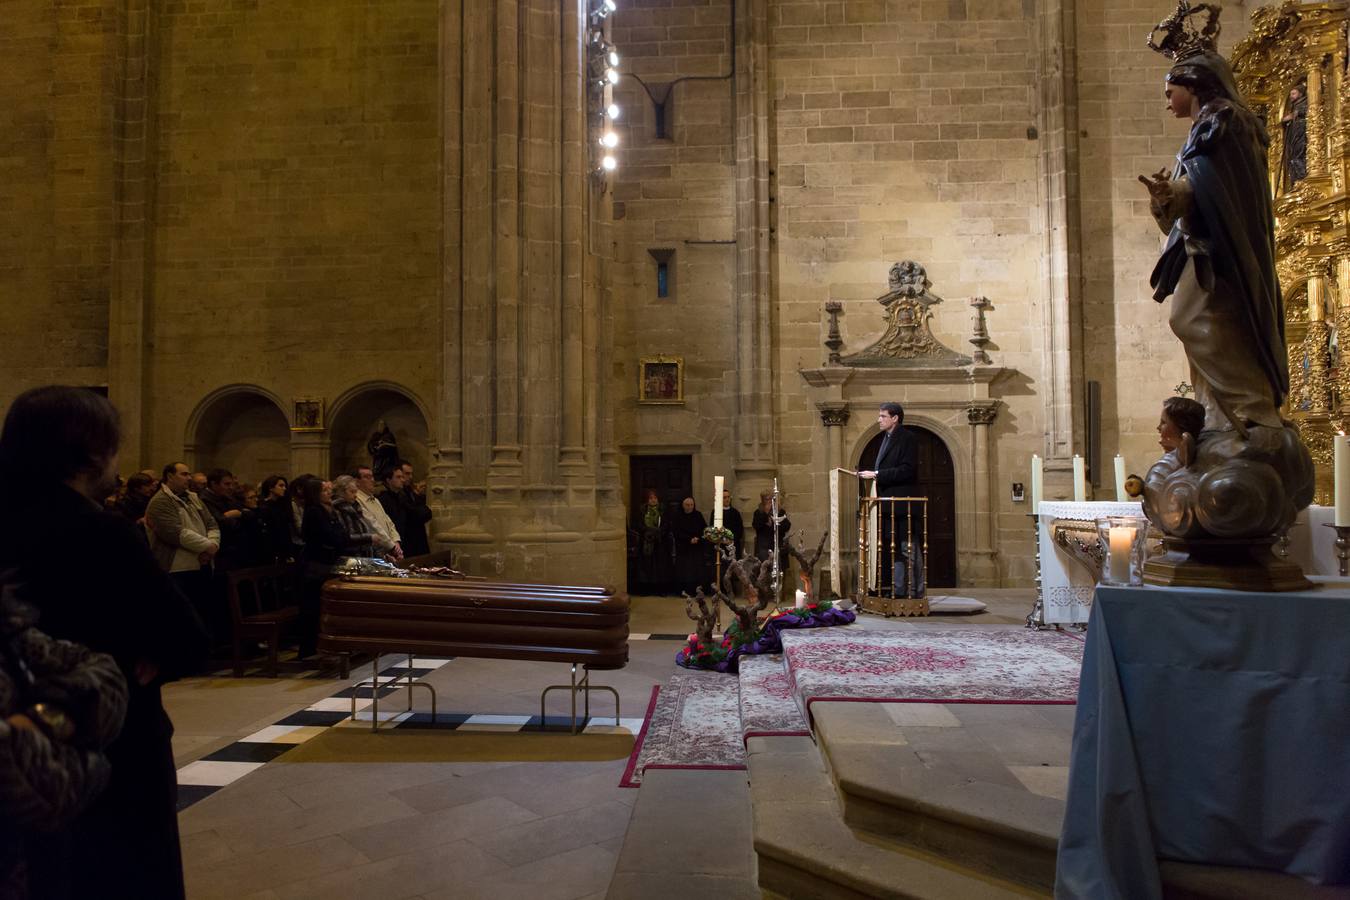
{"points": [[1182, 36]]}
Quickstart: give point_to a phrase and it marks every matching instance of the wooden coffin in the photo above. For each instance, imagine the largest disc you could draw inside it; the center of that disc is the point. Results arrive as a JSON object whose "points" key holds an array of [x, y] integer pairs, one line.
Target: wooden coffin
{"points": [[434, 617]]}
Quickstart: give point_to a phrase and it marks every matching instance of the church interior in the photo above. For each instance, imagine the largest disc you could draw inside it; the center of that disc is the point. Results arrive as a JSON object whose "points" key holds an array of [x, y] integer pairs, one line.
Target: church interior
{"points": [[575, 261]]}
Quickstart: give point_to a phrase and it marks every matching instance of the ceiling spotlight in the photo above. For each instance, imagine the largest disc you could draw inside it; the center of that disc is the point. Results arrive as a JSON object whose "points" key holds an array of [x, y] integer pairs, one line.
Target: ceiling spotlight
{"points": [[612, 111], [612, 76], [613, 57], [608, 163], [609, 6], [610, 139]]}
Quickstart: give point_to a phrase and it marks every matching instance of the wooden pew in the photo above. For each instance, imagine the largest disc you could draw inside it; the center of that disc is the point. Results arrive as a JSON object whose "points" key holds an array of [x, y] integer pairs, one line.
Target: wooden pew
{"points": [[582, 626]]}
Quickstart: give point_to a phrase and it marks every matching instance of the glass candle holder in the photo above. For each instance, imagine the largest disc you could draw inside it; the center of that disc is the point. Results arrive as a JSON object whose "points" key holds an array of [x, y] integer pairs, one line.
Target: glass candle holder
{"points": [[1122, 542]]}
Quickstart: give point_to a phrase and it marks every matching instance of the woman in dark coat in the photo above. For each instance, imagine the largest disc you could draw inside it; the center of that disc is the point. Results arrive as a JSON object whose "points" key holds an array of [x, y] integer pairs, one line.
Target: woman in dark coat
{"points": [[691, 551], [118, 601]]}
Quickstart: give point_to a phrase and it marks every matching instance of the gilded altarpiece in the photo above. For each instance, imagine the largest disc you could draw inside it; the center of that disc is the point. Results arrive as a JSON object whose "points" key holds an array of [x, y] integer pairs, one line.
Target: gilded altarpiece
{"points": [[1291, 69]]}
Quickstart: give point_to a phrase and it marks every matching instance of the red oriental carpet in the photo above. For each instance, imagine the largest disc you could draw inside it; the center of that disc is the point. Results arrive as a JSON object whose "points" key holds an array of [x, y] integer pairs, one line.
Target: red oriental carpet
{"points": [[693, 722], [933, 665]]}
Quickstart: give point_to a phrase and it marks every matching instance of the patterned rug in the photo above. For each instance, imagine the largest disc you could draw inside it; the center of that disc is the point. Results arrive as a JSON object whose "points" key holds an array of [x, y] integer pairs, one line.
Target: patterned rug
{"points": [[934, 665], [766, 702], [694, 722]]}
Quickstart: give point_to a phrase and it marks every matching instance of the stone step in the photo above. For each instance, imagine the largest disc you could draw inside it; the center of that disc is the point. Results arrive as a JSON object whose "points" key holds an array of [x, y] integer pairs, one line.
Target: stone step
{"points": [[895, 797], [891, 792], [806, 850]]}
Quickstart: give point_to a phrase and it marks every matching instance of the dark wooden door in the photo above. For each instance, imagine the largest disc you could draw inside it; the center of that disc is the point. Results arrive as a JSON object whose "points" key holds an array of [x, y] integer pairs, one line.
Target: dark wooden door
{"points": [[937, 481], [672, 478]]}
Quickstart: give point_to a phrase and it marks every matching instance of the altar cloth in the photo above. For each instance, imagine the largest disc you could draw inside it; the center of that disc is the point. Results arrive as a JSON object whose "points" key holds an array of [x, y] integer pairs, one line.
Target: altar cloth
{"points": [[1211, 728]]}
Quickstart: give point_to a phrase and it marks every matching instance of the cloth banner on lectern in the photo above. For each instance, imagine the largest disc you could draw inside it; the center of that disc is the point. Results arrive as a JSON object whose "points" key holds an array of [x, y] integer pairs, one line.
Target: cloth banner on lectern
{"points": [[844, 512]]}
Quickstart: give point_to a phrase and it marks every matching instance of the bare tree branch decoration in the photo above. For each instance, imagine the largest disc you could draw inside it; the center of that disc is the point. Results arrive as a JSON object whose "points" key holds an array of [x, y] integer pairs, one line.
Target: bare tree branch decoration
{"points": [[703, 613], [808, 564]]}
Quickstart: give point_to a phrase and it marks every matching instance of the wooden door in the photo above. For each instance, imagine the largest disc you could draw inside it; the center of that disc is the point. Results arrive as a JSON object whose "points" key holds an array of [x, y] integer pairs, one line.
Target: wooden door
{"points": [[672, 478], [937, 481]]}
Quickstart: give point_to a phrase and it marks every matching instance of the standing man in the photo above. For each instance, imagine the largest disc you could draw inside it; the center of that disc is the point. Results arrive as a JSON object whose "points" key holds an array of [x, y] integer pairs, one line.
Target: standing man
{"points": [[373, 510], [407, 509], [94, 582], [896, 474], [185, 538]]}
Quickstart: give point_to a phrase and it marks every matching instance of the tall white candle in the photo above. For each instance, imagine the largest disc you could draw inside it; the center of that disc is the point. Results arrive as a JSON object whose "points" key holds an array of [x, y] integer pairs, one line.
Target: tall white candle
{"points": [[1342, 444], [1079, 480], [717, 500], [1037, 483], [1121, 540], [1120, 478]]}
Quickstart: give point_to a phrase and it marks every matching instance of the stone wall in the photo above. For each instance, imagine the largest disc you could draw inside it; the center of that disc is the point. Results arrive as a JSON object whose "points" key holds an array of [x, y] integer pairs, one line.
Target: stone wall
{"points": [[55, 192], [297, 210]]}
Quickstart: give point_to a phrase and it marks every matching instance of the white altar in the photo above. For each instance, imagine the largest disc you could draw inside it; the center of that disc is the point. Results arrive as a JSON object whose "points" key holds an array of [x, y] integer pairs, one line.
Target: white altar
{"points": [[1066, 586]]}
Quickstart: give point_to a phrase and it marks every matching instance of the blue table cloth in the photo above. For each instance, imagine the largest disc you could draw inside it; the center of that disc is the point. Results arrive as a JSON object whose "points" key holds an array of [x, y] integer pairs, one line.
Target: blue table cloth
{"points": [[1212, 727]]}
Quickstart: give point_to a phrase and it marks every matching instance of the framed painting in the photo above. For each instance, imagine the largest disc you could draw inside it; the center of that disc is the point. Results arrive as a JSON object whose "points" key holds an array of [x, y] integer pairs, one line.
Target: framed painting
{"points": [[661, 379], [308, 415]]}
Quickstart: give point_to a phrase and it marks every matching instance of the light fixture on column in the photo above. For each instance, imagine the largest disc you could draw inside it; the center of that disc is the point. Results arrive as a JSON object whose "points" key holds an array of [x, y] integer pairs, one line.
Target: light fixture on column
{"points": [[602, 61]]}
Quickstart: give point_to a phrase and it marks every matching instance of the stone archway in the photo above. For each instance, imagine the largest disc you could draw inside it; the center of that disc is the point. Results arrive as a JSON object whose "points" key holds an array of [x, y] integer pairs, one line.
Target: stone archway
{"points": [[937, 475], [241, 428], [352, 420]]}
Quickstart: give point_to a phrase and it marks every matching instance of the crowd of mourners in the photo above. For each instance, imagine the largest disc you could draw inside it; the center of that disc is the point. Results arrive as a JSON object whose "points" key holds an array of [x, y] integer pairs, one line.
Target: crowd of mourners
{"points": [[200, 526], [110, 589]]}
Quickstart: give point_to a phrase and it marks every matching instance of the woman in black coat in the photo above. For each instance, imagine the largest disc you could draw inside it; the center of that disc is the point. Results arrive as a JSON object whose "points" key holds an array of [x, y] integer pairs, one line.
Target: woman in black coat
{"points": [[94, 582]]}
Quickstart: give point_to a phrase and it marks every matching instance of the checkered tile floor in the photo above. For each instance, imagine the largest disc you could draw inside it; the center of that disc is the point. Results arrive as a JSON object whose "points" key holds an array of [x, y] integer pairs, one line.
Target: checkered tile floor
{"points": [[203, 777]]}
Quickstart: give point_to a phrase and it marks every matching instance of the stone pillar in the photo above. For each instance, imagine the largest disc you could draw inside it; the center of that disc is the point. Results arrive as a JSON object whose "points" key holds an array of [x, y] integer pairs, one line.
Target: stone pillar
{"points": [[133, 173], [980, 418], [526, 487], [834, 416], [1057, 126], [756, 457]]}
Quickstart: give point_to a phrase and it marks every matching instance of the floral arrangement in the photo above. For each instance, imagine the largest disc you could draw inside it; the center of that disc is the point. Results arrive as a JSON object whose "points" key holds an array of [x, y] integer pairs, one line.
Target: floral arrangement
{"points": [[700, 654], [718, 535]]}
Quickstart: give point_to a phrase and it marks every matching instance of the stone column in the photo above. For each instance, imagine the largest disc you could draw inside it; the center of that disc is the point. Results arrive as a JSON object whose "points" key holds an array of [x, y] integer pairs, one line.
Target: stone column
{"points": [[133, 173], [525, 487], [448, 463], [756, 456], [980, 557], [834, 416], [1057, 126]]}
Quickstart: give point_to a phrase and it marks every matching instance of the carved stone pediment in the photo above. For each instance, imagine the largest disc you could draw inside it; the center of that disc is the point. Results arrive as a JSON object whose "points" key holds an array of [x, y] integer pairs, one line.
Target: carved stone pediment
{"points": [[908, 340]]}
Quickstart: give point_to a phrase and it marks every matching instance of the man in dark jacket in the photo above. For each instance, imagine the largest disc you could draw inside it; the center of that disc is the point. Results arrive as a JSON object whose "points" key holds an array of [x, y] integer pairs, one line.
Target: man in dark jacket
{"points": [[896, 474], [408, 511], [95, 582]]}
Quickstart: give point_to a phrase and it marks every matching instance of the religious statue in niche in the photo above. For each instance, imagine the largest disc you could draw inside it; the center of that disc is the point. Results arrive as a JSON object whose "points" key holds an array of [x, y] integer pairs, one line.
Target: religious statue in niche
{"points": [[383, 450], [1295, 126], [908, 340], [1250, 473]]}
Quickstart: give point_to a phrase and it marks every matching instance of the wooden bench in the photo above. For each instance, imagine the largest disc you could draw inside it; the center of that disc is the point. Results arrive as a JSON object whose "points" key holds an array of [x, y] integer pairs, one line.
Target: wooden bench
{"points": [[586, 627], [263, 599]]}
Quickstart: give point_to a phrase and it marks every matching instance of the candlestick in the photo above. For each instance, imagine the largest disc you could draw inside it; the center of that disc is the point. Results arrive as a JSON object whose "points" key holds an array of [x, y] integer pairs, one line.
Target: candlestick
{"points": [[717, 501], [1079, 479], [1342, 548], [1037, 483], [1036, 618], [1120, 478], [1342, 445]]}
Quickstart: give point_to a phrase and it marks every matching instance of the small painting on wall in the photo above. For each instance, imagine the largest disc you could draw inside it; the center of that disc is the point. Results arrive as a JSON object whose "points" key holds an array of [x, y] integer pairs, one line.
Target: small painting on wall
{"points": [[661, 379], [308, 415]]}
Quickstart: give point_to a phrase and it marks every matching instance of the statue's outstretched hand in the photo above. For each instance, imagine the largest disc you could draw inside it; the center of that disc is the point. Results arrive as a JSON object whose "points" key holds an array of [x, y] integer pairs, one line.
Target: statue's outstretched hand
{"points": [[1159, 186]]}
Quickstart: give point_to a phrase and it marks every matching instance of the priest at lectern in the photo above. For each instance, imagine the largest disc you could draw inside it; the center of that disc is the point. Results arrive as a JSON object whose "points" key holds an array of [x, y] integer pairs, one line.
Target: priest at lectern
{"points": [[896, 474]]}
